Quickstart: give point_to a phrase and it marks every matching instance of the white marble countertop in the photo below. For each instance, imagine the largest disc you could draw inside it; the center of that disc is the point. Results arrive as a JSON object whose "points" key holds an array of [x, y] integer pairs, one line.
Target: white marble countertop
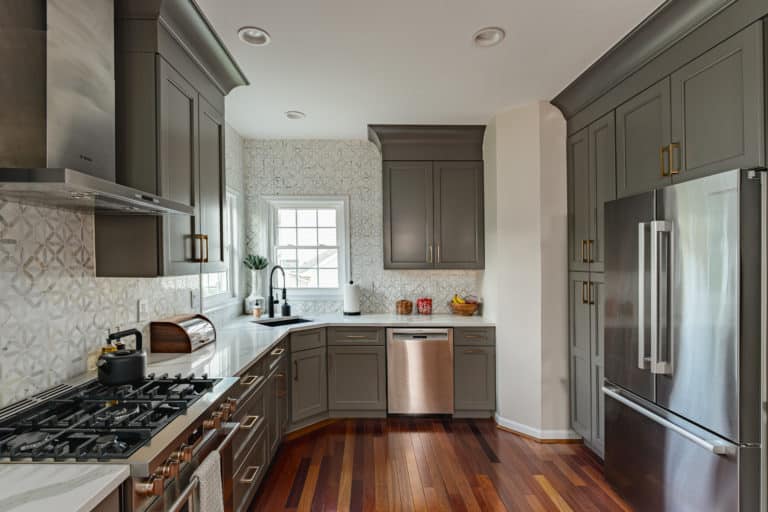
{"points": [[242, 341], [59, 487]]}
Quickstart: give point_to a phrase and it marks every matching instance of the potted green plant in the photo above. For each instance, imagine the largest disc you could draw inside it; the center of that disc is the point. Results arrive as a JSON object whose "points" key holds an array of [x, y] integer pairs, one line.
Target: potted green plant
{"points": [[255, 263]]}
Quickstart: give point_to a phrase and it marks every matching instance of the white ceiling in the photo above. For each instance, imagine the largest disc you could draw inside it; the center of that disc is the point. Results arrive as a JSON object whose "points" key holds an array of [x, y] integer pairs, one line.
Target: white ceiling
{"points": [[348, 63]]}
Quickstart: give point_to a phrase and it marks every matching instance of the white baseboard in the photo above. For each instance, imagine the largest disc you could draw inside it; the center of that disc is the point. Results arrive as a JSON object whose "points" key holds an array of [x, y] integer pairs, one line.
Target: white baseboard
{"points": [[536, 433]]}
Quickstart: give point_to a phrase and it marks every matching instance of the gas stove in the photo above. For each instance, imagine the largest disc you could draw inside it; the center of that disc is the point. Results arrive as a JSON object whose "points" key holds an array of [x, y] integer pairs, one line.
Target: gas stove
{"points": [[97, 422]]}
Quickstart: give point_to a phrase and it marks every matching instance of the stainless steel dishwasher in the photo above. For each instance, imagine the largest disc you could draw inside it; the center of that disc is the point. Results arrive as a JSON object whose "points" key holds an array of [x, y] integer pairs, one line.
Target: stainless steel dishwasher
{"points": [[420, 371]]}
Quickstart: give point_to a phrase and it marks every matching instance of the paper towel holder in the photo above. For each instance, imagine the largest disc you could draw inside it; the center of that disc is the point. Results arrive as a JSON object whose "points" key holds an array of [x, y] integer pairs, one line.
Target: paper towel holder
{"points": [[351, 299]]}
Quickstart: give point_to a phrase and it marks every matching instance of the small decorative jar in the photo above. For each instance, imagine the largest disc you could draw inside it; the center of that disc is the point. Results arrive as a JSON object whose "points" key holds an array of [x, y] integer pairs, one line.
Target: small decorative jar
{"points": [[424, 306]]}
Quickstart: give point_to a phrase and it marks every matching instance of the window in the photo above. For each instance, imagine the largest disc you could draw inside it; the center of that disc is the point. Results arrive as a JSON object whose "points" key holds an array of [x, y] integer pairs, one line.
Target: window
{"points": [[308, 238], [219, 287]]}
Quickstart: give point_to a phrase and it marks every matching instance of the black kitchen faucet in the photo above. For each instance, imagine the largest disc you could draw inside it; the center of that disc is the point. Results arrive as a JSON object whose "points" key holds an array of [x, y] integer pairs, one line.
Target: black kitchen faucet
{"points": [[285, 310]]}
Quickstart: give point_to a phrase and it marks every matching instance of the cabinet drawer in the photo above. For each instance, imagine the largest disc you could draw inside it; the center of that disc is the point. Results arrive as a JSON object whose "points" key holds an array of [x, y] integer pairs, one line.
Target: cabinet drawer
{"points": [[474, 336], [247, 478], [306, 340], [251, 417], [355, 336]]}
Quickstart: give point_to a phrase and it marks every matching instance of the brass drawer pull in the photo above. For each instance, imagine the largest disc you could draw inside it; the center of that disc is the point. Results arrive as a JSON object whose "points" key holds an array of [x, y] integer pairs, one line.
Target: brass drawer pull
{"points": [[250, 421], [277, 352], [473, 337], [249, 380], [673, 169], [248, 480], [355, 336], [473, 351]]}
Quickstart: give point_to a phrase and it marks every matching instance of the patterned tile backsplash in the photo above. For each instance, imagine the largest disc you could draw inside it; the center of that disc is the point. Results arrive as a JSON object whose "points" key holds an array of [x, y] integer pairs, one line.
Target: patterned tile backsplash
{"points": [[334, 167]]}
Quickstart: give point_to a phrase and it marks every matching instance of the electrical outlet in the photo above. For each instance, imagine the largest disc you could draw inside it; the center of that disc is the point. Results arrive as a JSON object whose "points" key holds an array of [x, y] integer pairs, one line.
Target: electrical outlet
{"points": [[194, 299], [142, 309]]}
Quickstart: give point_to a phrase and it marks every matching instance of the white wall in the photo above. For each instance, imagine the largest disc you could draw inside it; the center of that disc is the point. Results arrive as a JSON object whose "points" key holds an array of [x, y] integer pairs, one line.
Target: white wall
{"points": [[525, 279]]}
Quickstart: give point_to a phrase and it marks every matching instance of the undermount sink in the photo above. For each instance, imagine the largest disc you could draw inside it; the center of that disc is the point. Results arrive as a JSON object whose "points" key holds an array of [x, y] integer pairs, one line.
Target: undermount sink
{"points": [[274, 322]]}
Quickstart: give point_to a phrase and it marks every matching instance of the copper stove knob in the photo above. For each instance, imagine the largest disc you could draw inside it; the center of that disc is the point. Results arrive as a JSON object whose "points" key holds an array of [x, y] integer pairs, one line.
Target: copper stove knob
{"points": [[214, 422], [151, 487], [232, 403], [170, 469], [183, 454]]}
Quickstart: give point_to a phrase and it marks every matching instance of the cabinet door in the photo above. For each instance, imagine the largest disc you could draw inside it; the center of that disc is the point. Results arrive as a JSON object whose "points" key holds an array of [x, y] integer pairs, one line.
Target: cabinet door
{"points": [[309, 391], [474, 378], [642, 132], [408, 215], [717, 108], [596, 299], [602, 185], [212, 186], [357, 378], [282, 397], [177, 119], [578, 200], [581, 384], [459, 215]]}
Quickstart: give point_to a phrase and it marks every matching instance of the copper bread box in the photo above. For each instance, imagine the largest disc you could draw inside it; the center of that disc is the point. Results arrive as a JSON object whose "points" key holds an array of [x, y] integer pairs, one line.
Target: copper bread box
{"points": [[181, 334]]}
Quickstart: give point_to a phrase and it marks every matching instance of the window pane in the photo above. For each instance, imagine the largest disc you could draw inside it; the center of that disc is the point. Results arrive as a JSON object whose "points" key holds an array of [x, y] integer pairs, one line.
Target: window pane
{"points": [[306, 218], [286, 257], [307, 236], [326, 218], [326, 236], [329, 278], [290, 277], [307, 257], [308, 278], [328, 258], [286, 236], [286, 217]]}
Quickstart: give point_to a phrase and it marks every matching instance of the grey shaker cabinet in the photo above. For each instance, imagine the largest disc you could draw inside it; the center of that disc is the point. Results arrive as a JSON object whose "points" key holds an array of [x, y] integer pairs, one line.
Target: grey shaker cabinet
{"points": [[578, 200], [357, 378], [474, 378], [586, 357], [643, 134], [212, 186], [602, 185], [718, 108], [309, 391], [408, 215], [459, 215]]}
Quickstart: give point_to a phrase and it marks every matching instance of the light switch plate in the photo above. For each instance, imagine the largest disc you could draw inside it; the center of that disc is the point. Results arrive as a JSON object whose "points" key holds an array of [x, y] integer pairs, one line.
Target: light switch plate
{"points": [[194, 299], [142, 309]]}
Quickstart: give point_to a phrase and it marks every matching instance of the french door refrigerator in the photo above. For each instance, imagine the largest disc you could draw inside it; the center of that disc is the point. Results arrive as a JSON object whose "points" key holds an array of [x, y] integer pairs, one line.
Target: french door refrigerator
{"points": [[684, 345]]}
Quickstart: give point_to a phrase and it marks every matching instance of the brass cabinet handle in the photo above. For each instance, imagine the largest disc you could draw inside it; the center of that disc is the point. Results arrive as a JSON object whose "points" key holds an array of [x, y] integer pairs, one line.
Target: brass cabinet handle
{"points": [[296, 371], [355, 336], [203, 244], [584, 292], [591, 287], [277, 352], [249, 422], [590, 244], [472, 336], [249, 380], [584, 252], [662, 151], [250, 479], [473, 351], [673, 169], [438, 253], [429, 254]]}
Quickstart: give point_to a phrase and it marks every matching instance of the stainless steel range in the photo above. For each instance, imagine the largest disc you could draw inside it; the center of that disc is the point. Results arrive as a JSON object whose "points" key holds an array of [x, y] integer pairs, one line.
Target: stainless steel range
{"points": [[161, 426]]}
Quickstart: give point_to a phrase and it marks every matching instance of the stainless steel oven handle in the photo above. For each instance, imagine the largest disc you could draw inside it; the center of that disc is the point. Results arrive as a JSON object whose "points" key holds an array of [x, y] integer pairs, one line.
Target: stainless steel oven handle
{"points": [[714, 446], [643, 361], [187, 496]]}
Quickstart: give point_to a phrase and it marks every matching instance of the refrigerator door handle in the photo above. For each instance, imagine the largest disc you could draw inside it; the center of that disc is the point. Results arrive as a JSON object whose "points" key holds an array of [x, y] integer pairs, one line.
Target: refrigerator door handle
{"points": [[643, 361], [658, 365], [715, 446]]}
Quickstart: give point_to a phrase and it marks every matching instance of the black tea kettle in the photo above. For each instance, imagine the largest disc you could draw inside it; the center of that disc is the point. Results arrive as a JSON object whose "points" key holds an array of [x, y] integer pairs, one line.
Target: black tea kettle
{"points": [[122, 366]]}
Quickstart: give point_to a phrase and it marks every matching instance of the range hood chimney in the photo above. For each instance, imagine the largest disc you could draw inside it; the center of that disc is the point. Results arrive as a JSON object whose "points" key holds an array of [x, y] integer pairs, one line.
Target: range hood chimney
{"points": [[57, 119]]}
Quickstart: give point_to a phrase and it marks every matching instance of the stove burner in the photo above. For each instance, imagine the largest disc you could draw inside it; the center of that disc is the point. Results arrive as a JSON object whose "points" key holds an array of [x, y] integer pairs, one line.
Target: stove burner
{"points": [[99, 422]]}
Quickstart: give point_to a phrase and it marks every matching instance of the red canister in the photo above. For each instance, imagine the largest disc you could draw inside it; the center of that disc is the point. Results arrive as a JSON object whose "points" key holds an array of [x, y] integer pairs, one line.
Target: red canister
{"points": [[424, 306]]}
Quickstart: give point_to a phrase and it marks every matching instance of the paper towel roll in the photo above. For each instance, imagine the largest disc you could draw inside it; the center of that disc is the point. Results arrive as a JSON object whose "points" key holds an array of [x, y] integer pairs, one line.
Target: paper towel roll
{"points": [[351, 299]]}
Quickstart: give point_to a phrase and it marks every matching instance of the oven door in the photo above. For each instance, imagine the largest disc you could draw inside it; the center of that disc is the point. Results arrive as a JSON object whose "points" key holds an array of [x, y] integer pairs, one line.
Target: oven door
{"points": [[181, 495]]}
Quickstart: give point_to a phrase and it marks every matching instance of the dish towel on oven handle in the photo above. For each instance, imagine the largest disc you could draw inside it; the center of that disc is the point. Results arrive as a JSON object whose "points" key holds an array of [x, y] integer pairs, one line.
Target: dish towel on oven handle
{"points": [[211, 493]]}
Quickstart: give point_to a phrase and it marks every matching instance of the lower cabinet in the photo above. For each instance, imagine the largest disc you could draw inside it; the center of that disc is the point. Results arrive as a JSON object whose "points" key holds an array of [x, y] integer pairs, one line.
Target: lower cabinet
{"points": [[586, 358], [474, 380], [357, 378], [248, 476], [309, 391]]}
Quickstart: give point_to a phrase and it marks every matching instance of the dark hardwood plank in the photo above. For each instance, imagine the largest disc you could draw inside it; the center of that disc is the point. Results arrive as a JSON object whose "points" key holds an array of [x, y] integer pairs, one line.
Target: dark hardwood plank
{"points": [[428, 464]]}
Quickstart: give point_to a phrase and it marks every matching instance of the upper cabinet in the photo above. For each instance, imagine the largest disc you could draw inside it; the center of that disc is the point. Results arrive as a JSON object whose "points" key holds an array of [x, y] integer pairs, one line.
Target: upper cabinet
{"points": [[433, 196], [717, 109], [172, 76]]}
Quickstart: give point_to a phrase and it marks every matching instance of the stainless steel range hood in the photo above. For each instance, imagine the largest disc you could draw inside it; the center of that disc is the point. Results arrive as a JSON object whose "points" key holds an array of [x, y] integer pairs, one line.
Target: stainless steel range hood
{"points": [[57, 128]]}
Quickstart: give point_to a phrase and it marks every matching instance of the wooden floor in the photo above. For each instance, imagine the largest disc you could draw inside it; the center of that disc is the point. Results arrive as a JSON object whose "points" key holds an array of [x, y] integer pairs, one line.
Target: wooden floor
{"points": [[431, 464]]}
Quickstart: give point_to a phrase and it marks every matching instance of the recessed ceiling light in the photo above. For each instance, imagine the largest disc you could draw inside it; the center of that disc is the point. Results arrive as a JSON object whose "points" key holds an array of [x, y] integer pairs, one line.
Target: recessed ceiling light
{"points": [[489, 36], [254, 36], [295, 114]]}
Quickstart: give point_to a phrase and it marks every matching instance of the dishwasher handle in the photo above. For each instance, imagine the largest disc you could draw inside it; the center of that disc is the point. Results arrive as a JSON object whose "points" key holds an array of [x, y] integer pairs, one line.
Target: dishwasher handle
{"points": [[399, 335]]}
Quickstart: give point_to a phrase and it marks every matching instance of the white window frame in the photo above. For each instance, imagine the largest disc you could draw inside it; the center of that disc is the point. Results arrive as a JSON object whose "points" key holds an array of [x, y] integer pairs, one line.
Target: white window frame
{"points": [[341, 205], [233, 239]]}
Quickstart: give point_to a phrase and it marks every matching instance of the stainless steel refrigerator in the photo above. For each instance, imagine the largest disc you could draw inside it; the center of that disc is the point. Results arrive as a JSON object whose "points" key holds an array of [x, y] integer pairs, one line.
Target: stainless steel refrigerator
{"points": [[684, 345]]}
